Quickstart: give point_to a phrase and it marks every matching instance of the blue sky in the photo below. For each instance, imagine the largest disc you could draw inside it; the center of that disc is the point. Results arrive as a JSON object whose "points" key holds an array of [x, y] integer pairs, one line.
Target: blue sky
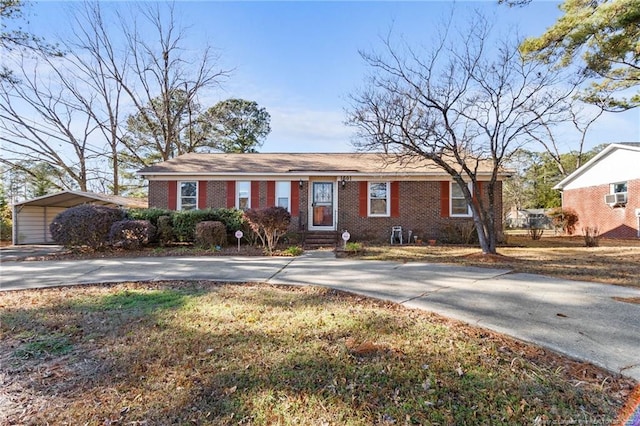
{"points": [[300, 60]]}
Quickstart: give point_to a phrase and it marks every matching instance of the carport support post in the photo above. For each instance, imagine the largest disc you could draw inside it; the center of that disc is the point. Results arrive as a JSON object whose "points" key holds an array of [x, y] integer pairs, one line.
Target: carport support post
{"points": [[14, 225]]}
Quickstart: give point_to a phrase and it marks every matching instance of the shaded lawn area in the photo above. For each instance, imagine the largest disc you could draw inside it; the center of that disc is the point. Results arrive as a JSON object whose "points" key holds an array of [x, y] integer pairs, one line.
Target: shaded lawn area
{"points": [[222, 354], [613, 262]]}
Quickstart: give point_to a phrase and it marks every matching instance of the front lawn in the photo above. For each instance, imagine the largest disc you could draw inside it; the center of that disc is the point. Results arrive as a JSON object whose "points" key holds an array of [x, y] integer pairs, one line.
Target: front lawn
{"points": [[206, 353]]}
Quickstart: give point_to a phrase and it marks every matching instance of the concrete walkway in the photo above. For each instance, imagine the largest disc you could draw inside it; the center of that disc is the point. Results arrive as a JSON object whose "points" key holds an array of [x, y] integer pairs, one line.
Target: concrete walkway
{"points": [[578, 319]]}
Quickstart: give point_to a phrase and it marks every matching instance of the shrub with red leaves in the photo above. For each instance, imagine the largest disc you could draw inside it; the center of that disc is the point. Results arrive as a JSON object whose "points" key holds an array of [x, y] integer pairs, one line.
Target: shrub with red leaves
{"points": [[84, 225], [269, 224]]}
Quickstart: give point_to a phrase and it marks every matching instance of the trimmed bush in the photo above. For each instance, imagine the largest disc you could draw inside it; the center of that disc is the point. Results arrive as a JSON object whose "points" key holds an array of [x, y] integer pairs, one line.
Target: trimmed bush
{"points": [[184, 222], [233, 219], [84, 225], [269, 224], [210, 234], [152, 214], [164, 230], [131, 234]]}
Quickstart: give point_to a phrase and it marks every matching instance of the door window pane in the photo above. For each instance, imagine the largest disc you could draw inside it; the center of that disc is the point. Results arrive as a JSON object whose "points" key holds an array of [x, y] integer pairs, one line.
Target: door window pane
{"points": [[322, 192]]}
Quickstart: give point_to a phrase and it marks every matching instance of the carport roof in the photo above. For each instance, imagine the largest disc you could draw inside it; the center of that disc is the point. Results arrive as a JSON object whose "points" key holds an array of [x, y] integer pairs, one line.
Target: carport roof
{"points": [[74, 198]]}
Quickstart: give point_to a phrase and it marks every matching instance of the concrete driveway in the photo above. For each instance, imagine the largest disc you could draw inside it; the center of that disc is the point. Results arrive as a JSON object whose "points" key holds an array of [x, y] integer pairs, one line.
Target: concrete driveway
{"points": [[578, 319], [10, 253]]}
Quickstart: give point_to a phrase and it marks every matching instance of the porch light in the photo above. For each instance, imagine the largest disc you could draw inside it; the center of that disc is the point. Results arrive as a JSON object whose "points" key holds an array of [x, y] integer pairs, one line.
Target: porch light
{"points": [[300, 184], [344, 182]]}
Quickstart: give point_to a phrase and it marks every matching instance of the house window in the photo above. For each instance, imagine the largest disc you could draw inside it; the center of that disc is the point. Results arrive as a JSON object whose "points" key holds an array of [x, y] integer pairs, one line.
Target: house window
{"points": [[459, 206], [243, 195], [188, 196], [379, 198], [618, 187], [283, 195]]}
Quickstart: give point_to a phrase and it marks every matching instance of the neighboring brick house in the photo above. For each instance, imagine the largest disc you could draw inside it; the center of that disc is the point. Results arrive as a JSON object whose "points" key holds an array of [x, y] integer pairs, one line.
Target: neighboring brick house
{"points": [[605, 192], [366, 194]]}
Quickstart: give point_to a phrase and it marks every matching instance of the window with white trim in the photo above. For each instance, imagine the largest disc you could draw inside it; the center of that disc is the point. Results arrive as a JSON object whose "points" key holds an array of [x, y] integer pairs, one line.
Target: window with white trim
{"points": [[459, 206], [188, 195], [243, 195], [283, 194], [379, 199]]}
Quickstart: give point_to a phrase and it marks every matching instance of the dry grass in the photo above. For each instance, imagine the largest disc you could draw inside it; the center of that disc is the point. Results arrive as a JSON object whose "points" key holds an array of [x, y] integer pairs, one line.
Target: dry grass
{"points": [[209, 354], [613, 262]]}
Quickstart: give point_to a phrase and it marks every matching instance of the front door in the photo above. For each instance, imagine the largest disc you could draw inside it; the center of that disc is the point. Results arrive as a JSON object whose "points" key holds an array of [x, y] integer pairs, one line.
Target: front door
{"points": [[322, 205]]}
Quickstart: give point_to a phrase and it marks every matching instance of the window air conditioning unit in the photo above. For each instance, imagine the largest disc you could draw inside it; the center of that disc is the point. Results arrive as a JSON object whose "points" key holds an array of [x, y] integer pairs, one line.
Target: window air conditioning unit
{"points": [[616, 199]]}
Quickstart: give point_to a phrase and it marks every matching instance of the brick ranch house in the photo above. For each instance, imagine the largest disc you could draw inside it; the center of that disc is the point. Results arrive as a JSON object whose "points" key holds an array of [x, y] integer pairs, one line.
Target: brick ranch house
{"points": [[605, 192], [365, 194]]}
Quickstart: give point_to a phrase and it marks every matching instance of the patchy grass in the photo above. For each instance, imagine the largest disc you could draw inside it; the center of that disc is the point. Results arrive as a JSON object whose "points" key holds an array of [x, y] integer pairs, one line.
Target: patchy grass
{"points": [[202, 353], [614, 262]]}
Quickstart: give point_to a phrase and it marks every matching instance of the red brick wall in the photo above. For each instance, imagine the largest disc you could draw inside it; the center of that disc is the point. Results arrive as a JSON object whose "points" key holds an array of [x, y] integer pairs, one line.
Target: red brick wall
{"points": [[419, 208], [593, 212], [159, 194], [216, 194], [420, 212]]}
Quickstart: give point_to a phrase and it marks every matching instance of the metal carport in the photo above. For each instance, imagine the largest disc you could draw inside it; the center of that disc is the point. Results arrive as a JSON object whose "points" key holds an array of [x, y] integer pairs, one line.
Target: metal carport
{"points": [[31, 218]]}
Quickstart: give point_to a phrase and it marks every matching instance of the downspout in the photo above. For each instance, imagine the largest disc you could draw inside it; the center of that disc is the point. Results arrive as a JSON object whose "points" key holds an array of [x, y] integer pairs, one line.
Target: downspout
{"points": [[14, 224]]}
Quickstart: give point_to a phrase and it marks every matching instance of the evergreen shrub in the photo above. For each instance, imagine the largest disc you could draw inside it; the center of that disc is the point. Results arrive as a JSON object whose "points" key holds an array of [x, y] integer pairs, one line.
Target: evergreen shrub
{"points": [[84, 225], [165, 230], [131, 234], [152, 214], [210, 234]]}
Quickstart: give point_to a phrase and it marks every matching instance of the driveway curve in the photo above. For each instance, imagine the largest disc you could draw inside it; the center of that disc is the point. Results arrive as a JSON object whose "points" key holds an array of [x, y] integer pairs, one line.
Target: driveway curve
{"points": [[586, 321]]}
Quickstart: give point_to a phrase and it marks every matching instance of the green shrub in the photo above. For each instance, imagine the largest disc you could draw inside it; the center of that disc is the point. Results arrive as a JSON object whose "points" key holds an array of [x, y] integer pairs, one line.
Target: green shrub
{"points": [[131, 234], [233, 219], [184, 222], [210, 234], [353, 247], [293, 251], [164, 230], [84, 225], [6, 224], [152, 214]]}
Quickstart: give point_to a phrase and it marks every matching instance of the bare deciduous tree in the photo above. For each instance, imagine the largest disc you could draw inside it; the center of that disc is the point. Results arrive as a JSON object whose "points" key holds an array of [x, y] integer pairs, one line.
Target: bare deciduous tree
{"points": [[40, 124], [465, 104], [158, 70], [78, 123]]}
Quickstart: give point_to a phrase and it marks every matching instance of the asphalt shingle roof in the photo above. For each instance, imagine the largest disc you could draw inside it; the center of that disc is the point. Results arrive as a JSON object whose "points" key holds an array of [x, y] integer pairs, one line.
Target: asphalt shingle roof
{"points": [[292, 163]]}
